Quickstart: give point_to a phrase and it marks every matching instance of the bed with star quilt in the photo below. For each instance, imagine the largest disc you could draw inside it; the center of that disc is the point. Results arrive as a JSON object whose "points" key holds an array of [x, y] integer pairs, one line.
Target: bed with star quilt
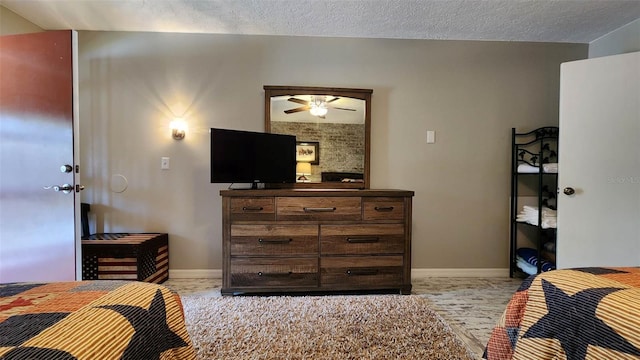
{"points": [[573, 314], [92, 320]]}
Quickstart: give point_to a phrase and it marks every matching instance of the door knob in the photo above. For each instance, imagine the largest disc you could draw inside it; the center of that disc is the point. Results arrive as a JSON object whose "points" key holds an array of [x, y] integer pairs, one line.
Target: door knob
{"points": [[66, 168], [569, 191]]}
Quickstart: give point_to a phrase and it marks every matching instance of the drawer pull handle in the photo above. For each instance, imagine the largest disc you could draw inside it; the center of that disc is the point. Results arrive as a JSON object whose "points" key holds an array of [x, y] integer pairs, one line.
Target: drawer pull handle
{"points": [[287, 274], [362, 272], [383, 208], [323, 209], [252, 208], [363, 240], [274, 241]]}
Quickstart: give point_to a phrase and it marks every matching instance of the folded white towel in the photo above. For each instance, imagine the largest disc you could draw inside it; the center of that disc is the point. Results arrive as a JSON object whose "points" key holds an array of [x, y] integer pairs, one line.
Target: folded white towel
{"points": [[525, 266], [548, 213], [533, 210], [527, 169], [529, 214], [547, 223], [550, 223], [551, 168]]}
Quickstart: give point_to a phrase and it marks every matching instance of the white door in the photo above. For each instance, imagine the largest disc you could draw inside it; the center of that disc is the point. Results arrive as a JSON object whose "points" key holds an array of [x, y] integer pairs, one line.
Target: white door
{"points": [[599, 158], [38, 227]]}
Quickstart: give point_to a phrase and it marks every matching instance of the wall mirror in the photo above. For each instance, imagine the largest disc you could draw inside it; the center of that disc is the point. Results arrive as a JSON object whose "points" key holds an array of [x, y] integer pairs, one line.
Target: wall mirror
{"points": [[332, 128]]}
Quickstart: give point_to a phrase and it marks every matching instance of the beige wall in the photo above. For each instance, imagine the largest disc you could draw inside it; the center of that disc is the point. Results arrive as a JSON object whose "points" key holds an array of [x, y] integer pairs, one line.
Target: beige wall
{"points": [[12, 23], [470, 93]]}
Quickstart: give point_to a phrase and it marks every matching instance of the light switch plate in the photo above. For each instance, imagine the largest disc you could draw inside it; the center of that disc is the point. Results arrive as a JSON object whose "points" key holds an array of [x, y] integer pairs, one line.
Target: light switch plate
{"points": [[431, 136]]}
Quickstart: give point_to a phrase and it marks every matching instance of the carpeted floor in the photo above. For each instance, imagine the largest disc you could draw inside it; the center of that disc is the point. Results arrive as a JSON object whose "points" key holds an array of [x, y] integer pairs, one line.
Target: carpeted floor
{"points": [[320, 327], [470, 306]]}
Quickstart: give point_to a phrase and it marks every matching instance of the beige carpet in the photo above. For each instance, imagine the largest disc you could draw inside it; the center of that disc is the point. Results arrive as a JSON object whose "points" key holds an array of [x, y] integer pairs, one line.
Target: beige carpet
{"points": [[319, 327]]}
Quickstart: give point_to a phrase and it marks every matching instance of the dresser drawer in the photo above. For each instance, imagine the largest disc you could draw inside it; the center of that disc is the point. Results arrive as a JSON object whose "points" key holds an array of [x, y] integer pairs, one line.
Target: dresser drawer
{"points": [[274, 272], [258, 208], [318, 208], [369, 272], [358, 239], [274, 239], [379, 208]]}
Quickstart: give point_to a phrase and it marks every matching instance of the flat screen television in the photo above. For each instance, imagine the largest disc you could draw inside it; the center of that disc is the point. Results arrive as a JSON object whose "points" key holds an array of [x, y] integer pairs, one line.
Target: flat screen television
{"points": [[252, 157]]}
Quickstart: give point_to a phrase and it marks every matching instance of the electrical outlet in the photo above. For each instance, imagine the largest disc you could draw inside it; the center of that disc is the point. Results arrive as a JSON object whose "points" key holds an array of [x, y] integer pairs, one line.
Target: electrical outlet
{"points": [[164, 163]]}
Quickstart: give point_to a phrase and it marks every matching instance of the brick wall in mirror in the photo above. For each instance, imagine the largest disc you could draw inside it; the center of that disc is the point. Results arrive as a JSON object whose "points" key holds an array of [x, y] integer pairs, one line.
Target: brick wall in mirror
{"points": [[332, 128]]}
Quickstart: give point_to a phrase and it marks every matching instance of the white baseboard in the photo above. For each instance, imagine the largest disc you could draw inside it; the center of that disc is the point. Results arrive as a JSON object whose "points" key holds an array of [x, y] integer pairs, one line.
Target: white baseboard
{"points": [[196, 274], [471, 273]]}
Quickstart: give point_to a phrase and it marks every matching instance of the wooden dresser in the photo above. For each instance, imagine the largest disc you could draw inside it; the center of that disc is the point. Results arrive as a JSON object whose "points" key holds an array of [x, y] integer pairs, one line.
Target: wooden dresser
{"points": [[307, 240]]}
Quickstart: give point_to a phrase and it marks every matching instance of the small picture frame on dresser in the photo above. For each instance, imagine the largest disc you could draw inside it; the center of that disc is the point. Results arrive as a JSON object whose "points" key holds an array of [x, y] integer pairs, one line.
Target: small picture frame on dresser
{"points": [[308, 151]]}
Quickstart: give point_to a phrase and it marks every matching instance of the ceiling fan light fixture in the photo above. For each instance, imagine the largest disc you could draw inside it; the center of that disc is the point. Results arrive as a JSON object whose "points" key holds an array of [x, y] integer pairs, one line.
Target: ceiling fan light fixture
{"points": [[318, 110], [318, 106]]}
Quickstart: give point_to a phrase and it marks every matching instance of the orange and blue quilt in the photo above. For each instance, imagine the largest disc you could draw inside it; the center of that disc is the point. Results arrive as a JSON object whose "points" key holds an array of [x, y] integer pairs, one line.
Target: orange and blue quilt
{"points": [[92, 320], [573, 314]]}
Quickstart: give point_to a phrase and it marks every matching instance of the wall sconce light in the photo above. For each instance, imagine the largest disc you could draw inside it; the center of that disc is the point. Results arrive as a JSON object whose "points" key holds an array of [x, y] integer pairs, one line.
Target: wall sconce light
{"points": [[302, 169], [178, 128]]}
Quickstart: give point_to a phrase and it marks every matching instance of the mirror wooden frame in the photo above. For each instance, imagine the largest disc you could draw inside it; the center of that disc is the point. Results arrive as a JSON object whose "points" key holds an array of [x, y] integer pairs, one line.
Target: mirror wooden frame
{"points": [[362, 94]]}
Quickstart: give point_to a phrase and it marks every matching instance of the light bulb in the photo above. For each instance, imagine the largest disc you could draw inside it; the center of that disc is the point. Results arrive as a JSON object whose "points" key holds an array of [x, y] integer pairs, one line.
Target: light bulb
{"points": [[178, 128], [321, 111]]}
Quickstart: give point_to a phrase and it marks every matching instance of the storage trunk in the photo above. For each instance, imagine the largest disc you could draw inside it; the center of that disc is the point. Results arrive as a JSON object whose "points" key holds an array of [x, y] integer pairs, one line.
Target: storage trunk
{"points": [[125, 256]]}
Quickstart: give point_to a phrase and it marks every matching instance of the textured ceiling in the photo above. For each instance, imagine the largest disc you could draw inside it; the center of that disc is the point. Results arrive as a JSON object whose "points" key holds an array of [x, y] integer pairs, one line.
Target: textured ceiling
{"points": [[575, 21]]}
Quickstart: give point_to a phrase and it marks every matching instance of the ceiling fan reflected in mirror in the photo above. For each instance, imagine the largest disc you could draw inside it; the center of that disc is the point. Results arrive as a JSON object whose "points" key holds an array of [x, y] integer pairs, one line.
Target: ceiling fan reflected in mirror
{"points": [[317, 105]]}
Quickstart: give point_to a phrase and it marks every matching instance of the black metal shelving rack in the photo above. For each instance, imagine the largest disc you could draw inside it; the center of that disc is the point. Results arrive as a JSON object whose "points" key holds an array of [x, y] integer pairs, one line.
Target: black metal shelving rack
{"points": [[535, 148]]}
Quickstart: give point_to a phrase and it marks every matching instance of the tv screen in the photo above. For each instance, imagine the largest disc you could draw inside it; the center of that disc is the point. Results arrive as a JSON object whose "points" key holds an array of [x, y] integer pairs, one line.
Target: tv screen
{"points": [[252, 157]]}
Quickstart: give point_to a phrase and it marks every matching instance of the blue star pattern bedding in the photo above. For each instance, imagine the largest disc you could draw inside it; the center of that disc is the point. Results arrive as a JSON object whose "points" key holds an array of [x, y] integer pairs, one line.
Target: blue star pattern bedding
{"points": [[574, 314], [92, 320]]}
